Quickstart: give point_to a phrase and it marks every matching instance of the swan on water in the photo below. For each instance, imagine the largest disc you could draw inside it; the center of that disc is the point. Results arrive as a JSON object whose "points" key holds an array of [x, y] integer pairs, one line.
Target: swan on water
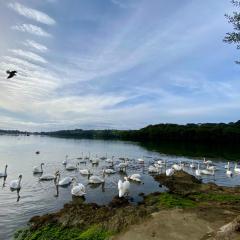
{"points": [[122, 166], [152, 169], [49, 177], [236, 168], [108, 160], [71, 166], [211, 167], [229, 171], [85, 171], [94, 179], [16, 184], [198, 171], [38, 169], [65, 161], [4, 174], [206, 161], [65, 181], [135, 177], [192, 165], [109, 171], [140, 160], [170, 171], [123, 187], [95, 160], [156, 165], [177, 167], [208, 172], [78, 189]]}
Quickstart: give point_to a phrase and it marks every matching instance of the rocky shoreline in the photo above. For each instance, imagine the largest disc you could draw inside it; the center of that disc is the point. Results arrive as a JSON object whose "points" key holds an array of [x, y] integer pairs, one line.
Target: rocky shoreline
{"points": [[214, 208]]}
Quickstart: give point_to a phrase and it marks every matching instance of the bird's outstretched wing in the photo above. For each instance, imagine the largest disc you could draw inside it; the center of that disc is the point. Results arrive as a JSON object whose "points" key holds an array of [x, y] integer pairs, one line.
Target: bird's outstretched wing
{"points": [[8, 72]]}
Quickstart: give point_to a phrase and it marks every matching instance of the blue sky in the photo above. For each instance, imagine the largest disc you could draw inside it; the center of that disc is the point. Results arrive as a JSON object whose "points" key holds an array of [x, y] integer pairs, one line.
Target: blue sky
{"points": [[116, 64]]}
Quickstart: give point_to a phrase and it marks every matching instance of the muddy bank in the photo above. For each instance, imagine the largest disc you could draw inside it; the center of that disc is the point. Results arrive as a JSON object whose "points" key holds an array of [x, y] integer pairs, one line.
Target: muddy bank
{"points": [[190, 208]]}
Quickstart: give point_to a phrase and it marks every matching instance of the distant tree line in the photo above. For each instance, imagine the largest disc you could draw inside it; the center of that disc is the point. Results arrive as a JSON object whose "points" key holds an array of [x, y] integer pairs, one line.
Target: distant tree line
{"points": [[204, 133], [192, 133]]}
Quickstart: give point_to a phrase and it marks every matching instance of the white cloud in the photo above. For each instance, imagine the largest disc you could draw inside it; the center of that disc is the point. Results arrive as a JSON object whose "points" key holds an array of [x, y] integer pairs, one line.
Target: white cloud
{"points": [[124, 4], [32, 29], [36, 46], [32, 13], [28, 55]]}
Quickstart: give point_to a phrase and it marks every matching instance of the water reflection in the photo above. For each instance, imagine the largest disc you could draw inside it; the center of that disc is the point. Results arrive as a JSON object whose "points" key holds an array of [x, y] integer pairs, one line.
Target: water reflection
{"points": [[4, 181]]}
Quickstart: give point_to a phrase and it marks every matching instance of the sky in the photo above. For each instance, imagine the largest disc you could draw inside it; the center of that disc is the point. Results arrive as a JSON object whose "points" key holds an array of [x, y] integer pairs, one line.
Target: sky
{"points": [[116, 64]]}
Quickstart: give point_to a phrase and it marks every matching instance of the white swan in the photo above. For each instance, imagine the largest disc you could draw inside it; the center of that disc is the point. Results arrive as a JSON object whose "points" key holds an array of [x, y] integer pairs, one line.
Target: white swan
{"points": [[109, 171], [152, 169], [122, 166], [123, 187], [206, 161], [135, 177], [95, 160], [85, 171], [108, 160], [78, 189], [156, 165], [211, 167], [208, 172], [198, 171], [140, 160], [4, 174], [227, 165], [170, 172], [65, 161], [160, 162], [16, 184], [65, 181], [177, 167], [192, 165], [71, 167], [94, 179], [229, 171], [236, 168], [38, 169], [48, 177]]}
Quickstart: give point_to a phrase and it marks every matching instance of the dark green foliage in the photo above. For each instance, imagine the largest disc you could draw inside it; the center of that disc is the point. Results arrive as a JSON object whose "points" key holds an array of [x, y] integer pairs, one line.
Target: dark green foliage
{"points": [[234, 19], [205, 133]]}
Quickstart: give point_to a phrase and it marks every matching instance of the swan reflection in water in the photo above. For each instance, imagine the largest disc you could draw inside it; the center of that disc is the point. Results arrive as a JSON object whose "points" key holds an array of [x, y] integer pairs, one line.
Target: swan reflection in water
{"points": [[4, 181], [17, 191], [57, 191], [97, 185]]}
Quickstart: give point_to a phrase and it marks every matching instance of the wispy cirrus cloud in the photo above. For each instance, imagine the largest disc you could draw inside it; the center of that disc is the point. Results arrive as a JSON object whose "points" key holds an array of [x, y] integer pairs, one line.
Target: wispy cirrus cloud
{"points": [[124, 4], [28, 55], [32, 13], [36, 46], [32, 29]]}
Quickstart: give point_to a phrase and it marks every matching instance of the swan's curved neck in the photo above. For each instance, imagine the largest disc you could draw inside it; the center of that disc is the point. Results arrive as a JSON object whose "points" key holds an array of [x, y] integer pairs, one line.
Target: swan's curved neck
{"points": [[19, 182], [5, 172]]}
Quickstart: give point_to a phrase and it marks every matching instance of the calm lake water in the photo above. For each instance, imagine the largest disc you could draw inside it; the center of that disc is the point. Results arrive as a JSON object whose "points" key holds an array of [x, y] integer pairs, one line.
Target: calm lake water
{"points": [[37, 198]]}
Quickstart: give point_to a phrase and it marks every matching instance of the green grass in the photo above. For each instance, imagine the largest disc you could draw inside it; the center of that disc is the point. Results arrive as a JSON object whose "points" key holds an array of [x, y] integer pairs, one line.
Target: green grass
{"points": [[216, 197], [52, 232], [168, 200]]}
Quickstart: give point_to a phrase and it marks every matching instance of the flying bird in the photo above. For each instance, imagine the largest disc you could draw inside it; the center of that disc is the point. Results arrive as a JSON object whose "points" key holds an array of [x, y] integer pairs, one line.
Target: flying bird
{"points": [[11, 73]]}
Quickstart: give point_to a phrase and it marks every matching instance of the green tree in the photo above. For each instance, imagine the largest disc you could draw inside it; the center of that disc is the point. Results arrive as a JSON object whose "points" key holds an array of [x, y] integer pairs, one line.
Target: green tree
{"points": [[234, 19]]}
